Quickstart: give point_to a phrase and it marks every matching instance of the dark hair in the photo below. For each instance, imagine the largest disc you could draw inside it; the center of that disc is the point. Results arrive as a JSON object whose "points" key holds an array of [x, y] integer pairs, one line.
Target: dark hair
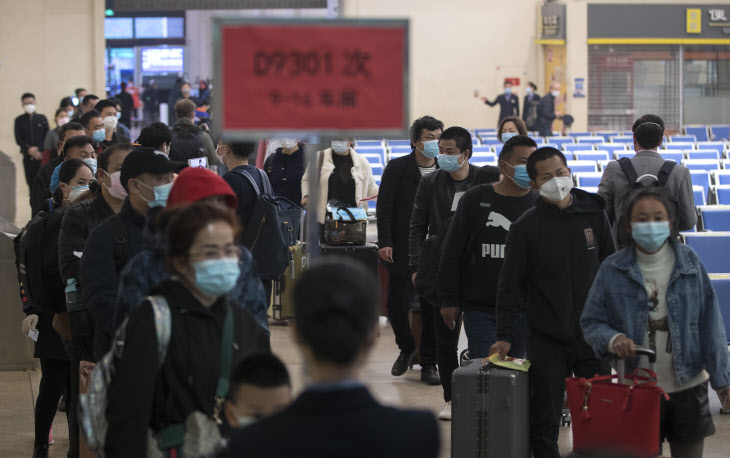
{"points": [[506, 82], [461, 136], [658, 193], [88, 98], [521, 129], [75, 141], [204, 102], [155, 135], [512, 143], [123, 85], [185, 108], [88, 116], [188, 221], [542, 154], [263, 370], [102, 160], [78, 90], [649, 131], [115, 101], [243, 150], [26, 96], [66, 102], [67, 127], [421, 124], [335, 303], [533, 85], [69, 169], [59, 111], [106, 103]]}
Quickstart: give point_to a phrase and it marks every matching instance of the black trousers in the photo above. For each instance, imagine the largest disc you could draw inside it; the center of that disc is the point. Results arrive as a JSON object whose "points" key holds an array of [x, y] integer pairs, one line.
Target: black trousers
{"points": [[54, 381], [400, 291], [31, 167], [81, 350], [552, 362], [447, 348]]}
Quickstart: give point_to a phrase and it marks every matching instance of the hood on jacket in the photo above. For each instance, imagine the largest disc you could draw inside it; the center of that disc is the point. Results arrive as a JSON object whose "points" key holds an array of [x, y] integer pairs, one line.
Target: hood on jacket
{"points": [[194, 183], [185, 125]]}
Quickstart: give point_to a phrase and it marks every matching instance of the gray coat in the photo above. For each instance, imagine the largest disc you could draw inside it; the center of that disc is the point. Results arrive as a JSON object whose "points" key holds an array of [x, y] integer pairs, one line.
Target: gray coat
{"points": [[614, 186]]}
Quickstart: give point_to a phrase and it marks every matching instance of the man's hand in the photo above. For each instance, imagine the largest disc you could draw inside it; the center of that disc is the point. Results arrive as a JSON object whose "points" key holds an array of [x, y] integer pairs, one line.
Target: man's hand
{"points": [[29, 323], [483, 99], [386, 254], [500, 347], [305, 199], [725, 400], [449, 314], [623, 347], [35, 153]]}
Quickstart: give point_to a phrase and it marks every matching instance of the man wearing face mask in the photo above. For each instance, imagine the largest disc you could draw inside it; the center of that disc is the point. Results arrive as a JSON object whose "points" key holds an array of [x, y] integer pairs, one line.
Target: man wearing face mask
{"points": [[147, 179], [285, 169], [396, 195], [547, 112], [552, 253], [94, 128], [509, 103], [437, 198], [40, 191], [473, 252], [79, 220], [30, 132], [158, 136], [108, 111]]}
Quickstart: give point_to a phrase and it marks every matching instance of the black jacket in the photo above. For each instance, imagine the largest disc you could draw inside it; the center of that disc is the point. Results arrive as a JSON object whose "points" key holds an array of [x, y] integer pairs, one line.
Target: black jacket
{"points": [[527, 103], [508, 106], [40, 192], [473, 251], [103, 260], [397, 193], [79, 220], [552, 256], [127, 106], [340, 423], [285, 172], [546, 114], [142, 394], [246, 194], [30, 131], [433, 203]]}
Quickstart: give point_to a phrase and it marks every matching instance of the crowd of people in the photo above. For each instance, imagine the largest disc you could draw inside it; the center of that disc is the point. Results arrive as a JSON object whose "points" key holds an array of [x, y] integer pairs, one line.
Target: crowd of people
{"points": [[147, 278]]}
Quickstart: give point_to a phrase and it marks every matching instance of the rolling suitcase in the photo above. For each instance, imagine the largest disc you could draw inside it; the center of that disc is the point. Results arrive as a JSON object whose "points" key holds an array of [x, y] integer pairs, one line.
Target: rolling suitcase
{"points": [[282, 302], [366, 254], [490, 412]]}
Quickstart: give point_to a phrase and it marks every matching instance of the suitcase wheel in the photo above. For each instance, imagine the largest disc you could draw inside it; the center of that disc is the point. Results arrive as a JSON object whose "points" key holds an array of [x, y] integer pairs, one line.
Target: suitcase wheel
{"points": [[566, 420]]}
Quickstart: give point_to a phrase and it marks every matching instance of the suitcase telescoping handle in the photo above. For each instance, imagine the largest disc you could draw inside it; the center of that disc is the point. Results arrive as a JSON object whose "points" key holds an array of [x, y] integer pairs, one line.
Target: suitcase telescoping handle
{"points": [[620, 367]]}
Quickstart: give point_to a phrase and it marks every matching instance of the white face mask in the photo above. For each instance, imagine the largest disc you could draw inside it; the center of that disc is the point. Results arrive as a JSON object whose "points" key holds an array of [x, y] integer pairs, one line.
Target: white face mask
{"points": [[110, 122], [30, 109], [289, 143], [340, 147], [557, 189], [555, 94]]}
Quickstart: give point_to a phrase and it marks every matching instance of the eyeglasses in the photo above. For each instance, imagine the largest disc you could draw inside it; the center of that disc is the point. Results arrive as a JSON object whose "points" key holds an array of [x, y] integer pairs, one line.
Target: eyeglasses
{"points": [[210, 252]]}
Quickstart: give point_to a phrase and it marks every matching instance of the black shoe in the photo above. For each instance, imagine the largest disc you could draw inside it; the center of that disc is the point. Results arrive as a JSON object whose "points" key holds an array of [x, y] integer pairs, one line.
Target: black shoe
{"points": [[430, 376], [404, 361], [40, 451]]}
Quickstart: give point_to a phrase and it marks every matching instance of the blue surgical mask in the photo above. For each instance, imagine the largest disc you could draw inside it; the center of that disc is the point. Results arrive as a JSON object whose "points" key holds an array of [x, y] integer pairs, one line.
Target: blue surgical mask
{"points": [[528, 90], [651, 235], [119, 115], [508, 90], [92, 165], [431, 149], [521, 178], [216, 277], [99, 135], [161, 193], [507, 135], [449, 163]]}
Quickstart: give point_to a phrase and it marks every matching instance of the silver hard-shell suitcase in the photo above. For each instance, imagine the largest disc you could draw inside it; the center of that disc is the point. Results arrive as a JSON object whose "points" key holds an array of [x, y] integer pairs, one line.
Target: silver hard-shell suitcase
{"points": [[490, 412]]}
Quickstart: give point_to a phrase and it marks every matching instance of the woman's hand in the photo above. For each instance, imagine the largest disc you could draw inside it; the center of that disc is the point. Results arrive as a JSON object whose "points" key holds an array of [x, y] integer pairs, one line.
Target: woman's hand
{"points": [[305, 199], [29, 323], [623, 347]]}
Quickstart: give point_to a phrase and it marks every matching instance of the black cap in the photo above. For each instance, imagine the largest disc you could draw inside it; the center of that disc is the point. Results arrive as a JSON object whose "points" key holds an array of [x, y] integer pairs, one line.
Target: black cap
{"points": [[146, 160]]}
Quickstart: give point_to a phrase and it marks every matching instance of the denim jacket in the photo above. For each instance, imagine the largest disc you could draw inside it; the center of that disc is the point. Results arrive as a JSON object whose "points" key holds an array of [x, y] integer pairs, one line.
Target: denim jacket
{"points": [[618, 303]]}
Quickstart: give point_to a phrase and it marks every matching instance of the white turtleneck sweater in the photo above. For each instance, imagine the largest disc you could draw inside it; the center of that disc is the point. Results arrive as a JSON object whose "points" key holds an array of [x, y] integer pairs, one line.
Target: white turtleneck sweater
{"points": [[656, 269]]}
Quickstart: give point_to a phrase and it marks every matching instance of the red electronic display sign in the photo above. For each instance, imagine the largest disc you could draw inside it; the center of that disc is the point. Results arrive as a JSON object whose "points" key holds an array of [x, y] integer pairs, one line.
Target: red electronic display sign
{"points": [[324, 77]]}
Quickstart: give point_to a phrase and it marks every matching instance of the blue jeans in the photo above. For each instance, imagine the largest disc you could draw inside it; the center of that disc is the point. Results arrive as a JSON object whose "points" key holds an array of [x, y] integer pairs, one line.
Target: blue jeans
{"points": [[481, 332]]}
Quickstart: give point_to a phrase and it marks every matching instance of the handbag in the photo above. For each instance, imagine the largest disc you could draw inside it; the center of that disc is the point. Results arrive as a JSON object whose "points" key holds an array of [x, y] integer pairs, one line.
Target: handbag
{"points": [[614, 417], [200, 434], [345, 226]]}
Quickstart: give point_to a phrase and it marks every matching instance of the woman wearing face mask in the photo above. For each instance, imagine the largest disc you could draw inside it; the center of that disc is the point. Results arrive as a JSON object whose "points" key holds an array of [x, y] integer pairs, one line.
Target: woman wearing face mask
{"points": [[509, 127], [50, 144], [74, 178], [344, 175], [146, 393], [655, 293]]}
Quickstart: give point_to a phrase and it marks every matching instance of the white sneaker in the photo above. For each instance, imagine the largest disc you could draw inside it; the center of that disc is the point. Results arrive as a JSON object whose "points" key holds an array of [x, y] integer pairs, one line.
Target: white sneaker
{"points": [[446, 413]]}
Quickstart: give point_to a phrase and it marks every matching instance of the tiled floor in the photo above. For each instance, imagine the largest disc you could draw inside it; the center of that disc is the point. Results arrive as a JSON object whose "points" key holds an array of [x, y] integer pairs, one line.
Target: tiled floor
{"points": [[18, 391]]}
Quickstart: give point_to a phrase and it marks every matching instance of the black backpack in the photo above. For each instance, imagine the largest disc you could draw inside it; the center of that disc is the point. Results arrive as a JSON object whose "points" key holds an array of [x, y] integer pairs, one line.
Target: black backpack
{"points": [[186, 145], [36, 253], [639, 182], [272, 229]]}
